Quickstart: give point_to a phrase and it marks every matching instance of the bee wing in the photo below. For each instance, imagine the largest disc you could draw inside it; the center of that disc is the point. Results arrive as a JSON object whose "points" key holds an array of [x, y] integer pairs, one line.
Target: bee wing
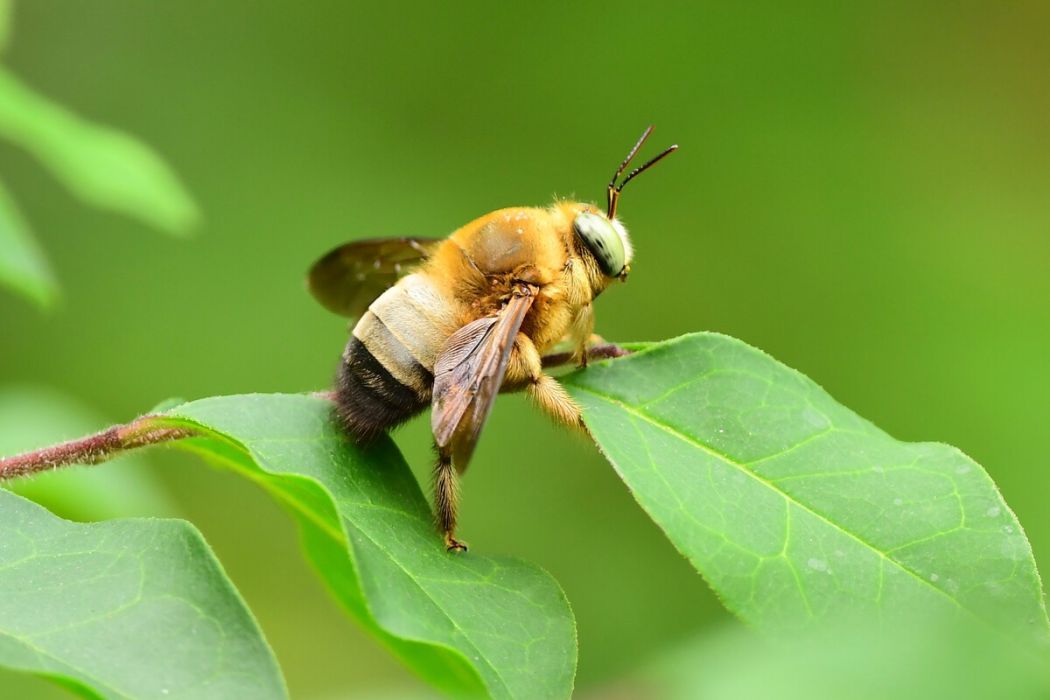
{"points": [[349, 278], [468, 375]]}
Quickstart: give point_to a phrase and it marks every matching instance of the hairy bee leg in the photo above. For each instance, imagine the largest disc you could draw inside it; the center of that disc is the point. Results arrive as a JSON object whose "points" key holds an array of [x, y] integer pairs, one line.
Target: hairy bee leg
{"points": [[526, 368], [551, 396], [595, 347], [446, 501], [581, 333]]}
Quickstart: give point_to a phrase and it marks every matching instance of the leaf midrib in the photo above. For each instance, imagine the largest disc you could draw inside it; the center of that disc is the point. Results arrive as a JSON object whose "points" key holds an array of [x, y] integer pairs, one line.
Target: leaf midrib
{"points": [[789, 498]]}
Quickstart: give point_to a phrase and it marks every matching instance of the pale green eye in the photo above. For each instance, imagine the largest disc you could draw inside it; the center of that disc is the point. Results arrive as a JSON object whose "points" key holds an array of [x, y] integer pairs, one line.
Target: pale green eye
{"points": [[602, 240]]}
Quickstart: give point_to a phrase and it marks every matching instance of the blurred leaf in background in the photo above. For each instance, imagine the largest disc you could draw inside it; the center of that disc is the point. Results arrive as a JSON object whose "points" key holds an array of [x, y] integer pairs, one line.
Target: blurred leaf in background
{"points": [[23, 267], [106, 168], [928, 658], [5, 22]]}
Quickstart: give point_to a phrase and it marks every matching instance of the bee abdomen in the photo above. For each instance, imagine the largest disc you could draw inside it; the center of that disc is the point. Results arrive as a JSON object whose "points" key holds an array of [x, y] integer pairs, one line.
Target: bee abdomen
{"points": [[369, 398], [387, 371]]}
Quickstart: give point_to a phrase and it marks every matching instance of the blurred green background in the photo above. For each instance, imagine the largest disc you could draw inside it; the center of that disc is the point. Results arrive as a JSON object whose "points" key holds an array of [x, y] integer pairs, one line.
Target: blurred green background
{"points": [[862, 191]]}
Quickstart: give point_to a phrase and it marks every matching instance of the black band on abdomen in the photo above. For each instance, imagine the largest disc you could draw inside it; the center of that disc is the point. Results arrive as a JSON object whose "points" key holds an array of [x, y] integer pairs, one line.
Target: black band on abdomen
{"points": [[370, 400]]}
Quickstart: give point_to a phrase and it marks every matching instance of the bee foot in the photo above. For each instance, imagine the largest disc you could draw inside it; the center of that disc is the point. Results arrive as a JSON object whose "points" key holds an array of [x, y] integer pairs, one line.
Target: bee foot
{"points": [[454, 545]]}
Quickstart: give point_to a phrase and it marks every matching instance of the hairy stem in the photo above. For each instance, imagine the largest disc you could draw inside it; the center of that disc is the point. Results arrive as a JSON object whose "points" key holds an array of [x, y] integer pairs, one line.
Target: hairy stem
{"points": [[142, 432], [92, 449], [598, 352]]}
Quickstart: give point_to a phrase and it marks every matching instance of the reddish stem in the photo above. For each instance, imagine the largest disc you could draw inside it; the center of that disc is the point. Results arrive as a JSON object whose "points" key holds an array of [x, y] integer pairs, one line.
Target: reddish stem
{"points": [[141, 432], [92, 449], [598, 352]]}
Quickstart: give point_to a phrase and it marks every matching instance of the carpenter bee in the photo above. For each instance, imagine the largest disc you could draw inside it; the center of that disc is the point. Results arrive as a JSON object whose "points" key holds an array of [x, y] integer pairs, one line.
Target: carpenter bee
{"points": [[451, 322]]}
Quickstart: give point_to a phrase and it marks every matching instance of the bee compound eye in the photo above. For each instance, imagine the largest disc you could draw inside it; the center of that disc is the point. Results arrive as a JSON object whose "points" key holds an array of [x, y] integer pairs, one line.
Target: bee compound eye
{"points": [[602, 240]]}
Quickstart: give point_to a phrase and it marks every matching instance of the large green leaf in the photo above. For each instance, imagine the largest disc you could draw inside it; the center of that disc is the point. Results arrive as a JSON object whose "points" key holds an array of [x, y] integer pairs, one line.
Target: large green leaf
{"points": [[105, 167], [793, 507], [469, 624], [125, 609], [23, 267]]}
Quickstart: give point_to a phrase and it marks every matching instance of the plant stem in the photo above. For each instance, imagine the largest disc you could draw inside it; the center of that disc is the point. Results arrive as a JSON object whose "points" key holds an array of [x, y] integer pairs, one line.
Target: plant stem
{"points": [[598, 352], [92, 449], [142, 432]]}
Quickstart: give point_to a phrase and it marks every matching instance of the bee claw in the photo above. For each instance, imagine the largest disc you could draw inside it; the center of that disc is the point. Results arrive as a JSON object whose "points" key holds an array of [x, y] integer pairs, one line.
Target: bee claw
{"points": [[454, 545]]}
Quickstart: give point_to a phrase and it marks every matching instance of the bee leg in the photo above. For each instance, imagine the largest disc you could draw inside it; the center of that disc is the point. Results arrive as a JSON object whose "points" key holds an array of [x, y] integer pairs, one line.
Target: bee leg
{"points": [[446, 500], [526, 368], [579, 356], [551, 396], [581, 333]]}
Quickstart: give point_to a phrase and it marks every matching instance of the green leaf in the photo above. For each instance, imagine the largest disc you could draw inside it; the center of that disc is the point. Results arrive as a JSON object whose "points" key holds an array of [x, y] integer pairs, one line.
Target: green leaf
{"points": [[469, 624], [34, 417], [793, 507], [23, 267], [125, 609], [105, 167]]}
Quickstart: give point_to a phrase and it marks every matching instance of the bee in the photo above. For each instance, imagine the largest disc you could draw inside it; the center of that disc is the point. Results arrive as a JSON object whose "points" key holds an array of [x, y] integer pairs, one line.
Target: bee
{"points": [[451, 322]]}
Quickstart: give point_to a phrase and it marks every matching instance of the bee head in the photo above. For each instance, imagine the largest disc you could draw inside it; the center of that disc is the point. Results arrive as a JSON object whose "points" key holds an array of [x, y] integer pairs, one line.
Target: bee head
{"points": [[605, 236]]}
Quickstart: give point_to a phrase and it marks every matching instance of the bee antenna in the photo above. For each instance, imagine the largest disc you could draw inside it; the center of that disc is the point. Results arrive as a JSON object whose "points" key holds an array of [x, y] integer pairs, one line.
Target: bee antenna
{"points": [[614, 189], [630, 156]]}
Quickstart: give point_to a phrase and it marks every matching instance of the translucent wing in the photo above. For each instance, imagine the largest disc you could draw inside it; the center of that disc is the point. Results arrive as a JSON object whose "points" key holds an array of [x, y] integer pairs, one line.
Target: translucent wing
{"points": [[346, 280], [468, 375]]}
